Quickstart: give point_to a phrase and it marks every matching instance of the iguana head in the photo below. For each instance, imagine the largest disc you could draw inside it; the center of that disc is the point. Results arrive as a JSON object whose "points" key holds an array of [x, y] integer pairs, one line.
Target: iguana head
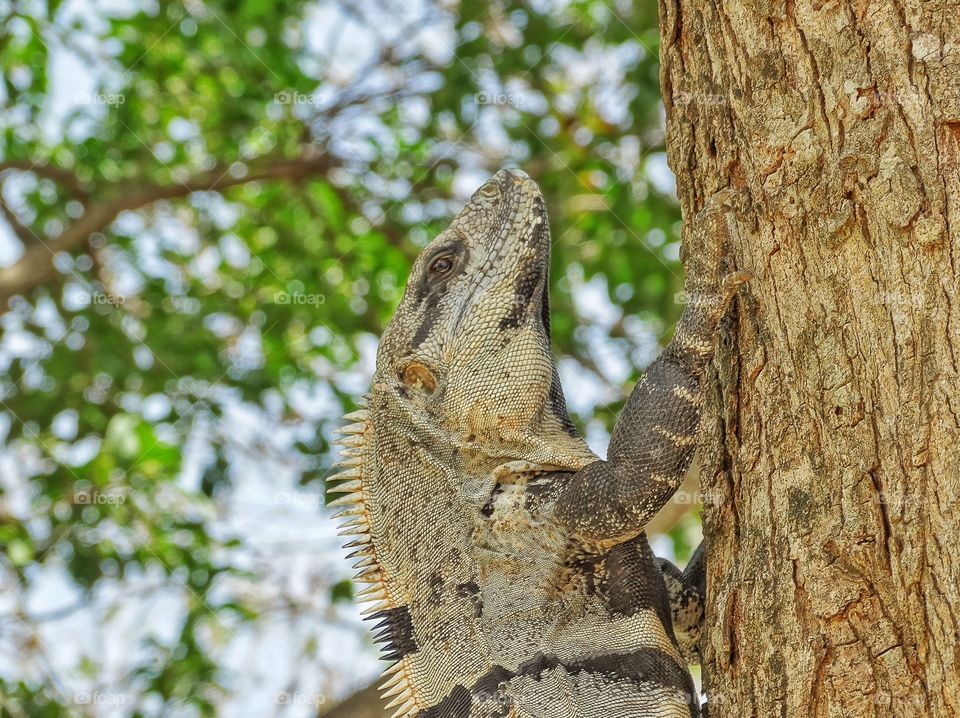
{"points": [[469, 344]]}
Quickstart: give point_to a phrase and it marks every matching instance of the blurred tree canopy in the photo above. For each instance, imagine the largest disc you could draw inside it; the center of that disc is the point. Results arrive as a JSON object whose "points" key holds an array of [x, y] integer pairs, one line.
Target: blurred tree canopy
{"points": [[208, 212]]}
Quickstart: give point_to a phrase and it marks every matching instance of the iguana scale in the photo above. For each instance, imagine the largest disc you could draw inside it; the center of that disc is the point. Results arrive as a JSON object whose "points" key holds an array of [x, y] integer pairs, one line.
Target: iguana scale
{"points": [[506, 564]]}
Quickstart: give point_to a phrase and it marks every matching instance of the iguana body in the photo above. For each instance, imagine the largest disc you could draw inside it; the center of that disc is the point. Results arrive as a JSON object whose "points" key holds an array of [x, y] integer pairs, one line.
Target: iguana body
{"points": [[507, 563]]}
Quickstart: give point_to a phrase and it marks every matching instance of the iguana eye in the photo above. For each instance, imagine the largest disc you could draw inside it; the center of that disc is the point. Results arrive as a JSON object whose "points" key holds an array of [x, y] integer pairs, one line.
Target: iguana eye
{"points": [[490, 190], [441, 265]]}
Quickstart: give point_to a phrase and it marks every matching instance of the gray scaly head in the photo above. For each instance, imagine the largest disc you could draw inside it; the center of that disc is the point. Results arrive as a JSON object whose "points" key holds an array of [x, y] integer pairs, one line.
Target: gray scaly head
{"points": [[470, 342]]}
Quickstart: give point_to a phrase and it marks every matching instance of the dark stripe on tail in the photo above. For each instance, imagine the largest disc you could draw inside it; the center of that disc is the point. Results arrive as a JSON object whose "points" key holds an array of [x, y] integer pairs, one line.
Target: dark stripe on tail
{"points": [[645, 665]]}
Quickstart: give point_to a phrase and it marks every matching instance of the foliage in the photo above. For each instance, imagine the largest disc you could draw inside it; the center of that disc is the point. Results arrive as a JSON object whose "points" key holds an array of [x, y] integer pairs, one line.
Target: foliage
{"points": [[224, 217]]}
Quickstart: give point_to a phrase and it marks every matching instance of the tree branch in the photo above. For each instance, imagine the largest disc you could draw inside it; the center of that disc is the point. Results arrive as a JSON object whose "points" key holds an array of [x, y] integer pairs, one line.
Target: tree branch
{"points": [[363, 704], [63, 177], [36, 265], [24, 234]]}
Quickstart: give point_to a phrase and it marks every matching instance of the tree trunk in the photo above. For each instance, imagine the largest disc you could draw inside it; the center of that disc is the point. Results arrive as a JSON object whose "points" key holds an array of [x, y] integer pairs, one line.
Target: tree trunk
{"points": [[834, 570], [363, 704]]}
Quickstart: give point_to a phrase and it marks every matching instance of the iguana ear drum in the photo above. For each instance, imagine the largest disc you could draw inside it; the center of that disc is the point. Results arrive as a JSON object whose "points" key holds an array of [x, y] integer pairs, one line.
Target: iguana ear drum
{"points": [[418, 376]]}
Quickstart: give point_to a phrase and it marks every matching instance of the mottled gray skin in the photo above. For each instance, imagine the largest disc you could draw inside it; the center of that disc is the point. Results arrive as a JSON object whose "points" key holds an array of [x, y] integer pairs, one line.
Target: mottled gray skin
{"points": [[507, 563]]}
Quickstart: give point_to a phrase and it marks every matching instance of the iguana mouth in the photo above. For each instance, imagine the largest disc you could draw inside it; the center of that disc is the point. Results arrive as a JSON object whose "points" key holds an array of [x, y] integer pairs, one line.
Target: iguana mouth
{"points": [[543, 238], [521, 250]]}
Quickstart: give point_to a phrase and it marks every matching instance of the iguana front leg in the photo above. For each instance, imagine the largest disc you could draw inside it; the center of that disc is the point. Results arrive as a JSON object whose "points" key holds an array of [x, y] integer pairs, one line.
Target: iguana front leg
{"points": [[654, 438], [687, 591]]}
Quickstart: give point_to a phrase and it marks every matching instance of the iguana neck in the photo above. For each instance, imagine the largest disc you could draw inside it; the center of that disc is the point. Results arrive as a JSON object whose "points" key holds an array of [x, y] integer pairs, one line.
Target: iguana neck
{"points": [[545, 443]]}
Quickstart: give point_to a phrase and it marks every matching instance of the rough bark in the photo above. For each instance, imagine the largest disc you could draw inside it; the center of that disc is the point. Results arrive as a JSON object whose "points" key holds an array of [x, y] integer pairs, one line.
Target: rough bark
{"points": [[834, 575]]}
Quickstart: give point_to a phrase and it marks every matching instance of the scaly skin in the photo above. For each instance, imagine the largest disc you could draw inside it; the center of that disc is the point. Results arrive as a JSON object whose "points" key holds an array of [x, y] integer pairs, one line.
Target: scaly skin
{"points": [[506, 562]]}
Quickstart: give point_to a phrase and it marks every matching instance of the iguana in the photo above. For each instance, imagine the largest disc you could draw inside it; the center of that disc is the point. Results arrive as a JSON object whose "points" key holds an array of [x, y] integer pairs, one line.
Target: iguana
{"points": [[507, 564]]}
